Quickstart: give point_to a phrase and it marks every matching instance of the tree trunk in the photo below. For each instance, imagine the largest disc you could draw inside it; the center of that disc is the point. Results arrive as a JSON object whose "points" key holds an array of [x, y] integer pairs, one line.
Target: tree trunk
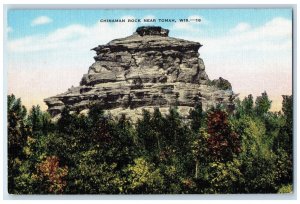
{"points": [[196, 169]]}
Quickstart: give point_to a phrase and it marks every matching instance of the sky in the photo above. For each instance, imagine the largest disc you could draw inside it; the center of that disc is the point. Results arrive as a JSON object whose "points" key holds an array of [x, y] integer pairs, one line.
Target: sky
{"points": [[48, 51]]}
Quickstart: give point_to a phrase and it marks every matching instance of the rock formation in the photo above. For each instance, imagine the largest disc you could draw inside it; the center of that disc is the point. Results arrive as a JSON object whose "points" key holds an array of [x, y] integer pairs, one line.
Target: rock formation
{"points": [[145, 70]]}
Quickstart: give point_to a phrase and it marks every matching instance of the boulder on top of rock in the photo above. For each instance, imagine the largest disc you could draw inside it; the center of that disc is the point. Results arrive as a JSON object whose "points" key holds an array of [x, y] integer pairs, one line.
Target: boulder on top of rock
{"points": [[152, 30]]}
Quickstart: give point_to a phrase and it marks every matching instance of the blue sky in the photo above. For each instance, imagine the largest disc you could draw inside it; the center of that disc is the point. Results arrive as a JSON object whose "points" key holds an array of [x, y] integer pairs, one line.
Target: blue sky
{"points": [[49, 50], [220, 19]]}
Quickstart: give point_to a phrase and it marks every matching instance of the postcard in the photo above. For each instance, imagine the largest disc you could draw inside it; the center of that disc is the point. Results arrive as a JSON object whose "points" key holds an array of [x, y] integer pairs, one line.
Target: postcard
{"points": [[149, 101]]}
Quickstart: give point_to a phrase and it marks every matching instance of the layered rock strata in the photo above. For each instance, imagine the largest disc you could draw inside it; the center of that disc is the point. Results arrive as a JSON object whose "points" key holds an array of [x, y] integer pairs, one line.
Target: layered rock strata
{"points": [[145, 70]]}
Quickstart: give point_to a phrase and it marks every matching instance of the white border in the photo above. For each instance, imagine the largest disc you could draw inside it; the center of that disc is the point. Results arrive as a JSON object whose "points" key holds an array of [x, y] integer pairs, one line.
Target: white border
{"points": [[159, 4]]}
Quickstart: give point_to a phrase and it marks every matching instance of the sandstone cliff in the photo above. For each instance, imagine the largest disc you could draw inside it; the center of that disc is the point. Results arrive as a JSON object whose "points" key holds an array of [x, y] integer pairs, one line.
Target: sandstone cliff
{"points": [[145, 70]]}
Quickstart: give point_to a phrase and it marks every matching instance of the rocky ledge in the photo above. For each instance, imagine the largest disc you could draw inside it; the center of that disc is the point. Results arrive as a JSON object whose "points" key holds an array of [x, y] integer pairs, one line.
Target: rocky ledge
{"points": [[145, 70]]}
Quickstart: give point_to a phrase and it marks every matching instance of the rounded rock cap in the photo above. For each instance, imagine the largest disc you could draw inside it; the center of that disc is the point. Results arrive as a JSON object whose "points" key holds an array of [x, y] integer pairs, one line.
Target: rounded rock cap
{"points": [[152, 30]]}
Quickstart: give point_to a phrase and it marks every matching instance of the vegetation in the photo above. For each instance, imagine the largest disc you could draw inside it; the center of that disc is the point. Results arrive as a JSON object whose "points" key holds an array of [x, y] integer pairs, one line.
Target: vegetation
{"points": [[246, 151]]}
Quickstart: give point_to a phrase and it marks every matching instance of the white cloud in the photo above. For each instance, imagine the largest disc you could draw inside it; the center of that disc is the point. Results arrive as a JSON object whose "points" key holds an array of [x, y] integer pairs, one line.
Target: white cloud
{"points": [[192, 25], [241, 27], [41, 20], [275, 35], [45, 65], [77, 37], [254, 59], [183, 26]]}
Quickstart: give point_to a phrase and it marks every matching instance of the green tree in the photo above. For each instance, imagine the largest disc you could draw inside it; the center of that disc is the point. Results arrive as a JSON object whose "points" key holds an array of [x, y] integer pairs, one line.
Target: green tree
{"points": [[285, 136], [157, 123], [170, 176], [17, 129], [200, 151], [224, 177], [256, 158], [124, 147], [178, 137], [39, 121], [66, 122], [283, 144], [248, 104], [262, 104], [196, 116], [18, 132], [172, 128], [147, 137], [143, 177], [90, 176]]}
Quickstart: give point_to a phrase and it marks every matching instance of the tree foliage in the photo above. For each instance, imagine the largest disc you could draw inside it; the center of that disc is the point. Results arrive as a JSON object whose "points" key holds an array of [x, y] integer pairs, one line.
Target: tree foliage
{"points": [[223, 141], [249, 150]]}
